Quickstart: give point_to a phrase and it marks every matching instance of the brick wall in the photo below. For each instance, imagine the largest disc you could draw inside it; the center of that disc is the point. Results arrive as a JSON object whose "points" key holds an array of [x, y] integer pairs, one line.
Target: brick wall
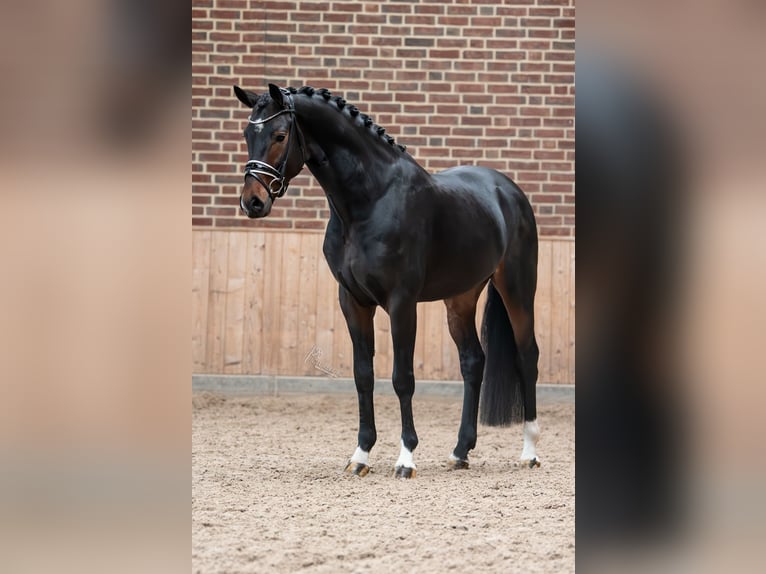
{"points": [[457, 82]]}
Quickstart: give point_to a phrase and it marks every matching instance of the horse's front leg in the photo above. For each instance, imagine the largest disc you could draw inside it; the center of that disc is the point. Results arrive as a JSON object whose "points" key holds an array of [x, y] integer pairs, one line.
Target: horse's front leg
{"points": [[403, 327], [361, 328]]}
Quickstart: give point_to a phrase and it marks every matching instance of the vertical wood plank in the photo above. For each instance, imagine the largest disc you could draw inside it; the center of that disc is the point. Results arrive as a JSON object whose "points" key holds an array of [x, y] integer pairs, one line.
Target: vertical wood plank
{"points": [[342, 357], [572, 313], [254, 293], [435, 317], [291, 282], [307, 299], [543, 310], [560, 312], [200, 295], [326, 305], [420, 342], [482, 301], [383, 360], [450, 369], [235, 303], [271, 303], [216, 322]]}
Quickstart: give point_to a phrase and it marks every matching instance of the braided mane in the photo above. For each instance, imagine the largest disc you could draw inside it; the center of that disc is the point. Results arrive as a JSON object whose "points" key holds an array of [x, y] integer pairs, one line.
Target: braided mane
{"points": [[341, 104]]}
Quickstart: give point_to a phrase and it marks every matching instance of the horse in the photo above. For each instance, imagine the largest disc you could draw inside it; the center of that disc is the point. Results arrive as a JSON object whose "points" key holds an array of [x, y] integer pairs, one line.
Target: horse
{"points": [[398, 235]]}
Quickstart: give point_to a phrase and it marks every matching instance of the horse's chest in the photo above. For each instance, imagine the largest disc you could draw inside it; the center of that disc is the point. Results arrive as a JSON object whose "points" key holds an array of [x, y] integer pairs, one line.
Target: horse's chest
{"points": [[357, 270]]}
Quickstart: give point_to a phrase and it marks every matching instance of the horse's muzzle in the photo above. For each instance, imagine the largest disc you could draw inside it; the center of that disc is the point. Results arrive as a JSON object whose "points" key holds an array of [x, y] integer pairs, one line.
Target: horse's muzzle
{"points": [[254, 208]]}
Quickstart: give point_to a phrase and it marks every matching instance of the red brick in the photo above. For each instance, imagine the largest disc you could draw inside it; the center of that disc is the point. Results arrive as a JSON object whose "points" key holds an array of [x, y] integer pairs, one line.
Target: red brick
{"points": [[511, 10], [540, 33], [302, 213], [225, 14], [310, 203], [546, 198], [491, 22], [546, 12], [549, 133], [315, 6], [310, 224], [550, 230], [227, 200], [220, 211], [545, 220]]}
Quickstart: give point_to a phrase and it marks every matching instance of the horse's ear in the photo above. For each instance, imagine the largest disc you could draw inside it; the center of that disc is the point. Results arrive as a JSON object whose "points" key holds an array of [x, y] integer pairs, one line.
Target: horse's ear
{"points": [[276, 94], [247, 98]]}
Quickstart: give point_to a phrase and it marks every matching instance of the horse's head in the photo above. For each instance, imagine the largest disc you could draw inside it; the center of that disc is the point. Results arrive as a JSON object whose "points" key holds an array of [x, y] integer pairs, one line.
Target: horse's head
{"points": [[274, 147]]}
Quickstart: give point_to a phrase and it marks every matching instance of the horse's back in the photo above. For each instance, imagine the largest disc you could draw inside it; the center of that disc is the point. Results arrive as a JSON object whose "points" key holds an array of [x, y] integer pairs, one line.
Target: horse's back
{"points": [[486, 187], [478, 181]]}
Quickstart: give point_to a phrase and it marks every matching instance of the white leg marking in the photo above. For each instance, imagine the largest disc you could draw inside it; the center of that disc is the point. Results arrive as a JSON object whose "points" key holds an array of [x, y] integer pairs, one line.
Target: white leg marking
{"points": [[531, 434], [405, 458], [361, 456]]}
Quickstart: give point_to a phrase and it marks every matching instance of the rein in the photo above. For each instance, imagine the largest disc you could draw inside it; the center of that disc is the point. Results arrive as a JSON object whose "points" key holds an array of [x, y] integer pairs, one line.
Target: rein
{"points": [[257, 168]]}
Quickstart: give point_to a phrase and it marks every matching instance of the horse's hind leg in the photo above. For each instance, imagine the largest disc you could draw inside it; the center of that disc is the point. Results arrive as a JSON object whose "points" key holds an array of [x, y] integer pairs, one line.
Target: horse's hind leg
{"points": [[361, 329], [461, 318], [516, 283]]}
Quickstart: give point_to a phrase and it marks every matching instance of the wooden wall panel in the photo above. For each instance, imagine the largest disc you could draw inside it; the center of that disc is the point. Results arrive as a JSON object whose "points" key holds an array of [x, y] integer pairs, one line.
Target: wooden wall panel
{"points": [[383, 355], [272, 298], [253, 307], [216, 315], [559, 328], [264, 302], [310, 262], [289, 305], [234, 329], [544, 309], [571, 296], [327, 307], [200, 297]]}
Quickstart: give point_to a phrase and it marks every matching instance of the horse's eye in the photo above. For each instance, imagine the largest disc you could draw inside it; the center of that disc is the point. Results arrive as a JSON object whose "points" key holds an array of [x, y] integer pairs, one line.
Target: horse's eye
{"points": [[280, 138]]}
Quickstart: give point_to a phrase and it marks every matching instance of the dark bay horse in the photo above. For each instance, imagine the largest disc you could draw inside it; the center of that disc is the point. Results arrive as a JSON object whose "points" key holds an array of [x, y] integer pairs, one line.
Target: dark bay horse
{"points": [[398, 235]]}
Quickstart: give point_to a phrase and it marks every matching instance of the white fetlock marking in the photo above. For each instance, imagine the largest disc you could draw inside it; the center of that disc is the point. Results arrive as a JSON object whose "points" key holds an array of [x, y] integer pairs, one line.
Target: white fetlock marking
{"points": [[531, 435], [453, 458], [405, 458], [361, 456]]}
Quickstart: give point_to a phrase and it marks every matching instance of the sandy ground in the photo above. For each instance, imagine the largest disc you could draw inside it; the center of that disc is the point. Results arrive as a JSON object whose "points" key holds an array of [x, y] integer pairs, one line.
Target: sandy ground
{"points": [[269, 494]]}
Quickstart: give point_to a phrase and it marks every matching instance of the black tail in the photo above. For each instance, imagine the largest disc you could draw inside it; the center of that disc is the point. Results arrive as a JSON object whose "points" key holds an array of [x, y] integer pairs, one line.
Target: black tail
{"points": [[502, 392]]}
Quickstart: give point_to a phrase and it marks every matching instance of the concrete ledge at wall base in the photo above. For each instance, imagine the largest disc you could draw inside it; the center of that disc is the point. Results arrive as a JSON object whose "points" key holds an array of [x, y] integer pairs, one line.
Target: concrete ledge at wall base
{"points": [[243, 385]]}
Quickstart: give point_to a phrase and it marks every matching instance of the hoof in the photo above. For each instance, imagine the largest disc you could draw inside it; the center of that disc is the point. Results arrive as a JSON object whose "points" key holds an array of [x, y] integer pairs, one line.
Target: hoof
{"points": [[531, 463], [404, 472], [357, 468], [455, 463]]}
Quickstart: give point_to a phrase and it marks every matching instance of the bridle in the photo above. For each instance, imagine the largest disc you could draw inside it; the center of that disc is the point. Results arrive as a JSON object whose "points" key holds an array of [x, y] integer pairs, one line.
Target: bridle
{"points": [[257, 168]]}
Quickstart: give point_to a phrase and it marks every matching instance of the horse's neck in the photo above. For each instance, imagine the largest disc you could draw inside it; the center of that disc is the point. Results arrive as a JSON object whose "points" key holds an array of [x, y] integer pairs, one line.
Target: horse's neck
{"points": [[353, 168]]}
